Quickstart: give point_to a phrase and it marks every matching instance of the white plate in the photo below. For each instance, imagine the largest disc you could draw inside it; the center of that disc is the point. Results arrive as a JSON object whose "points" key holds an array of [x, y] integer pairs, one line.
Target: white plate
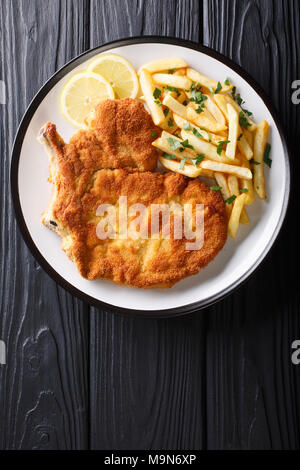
{"points": [[239, 257]]}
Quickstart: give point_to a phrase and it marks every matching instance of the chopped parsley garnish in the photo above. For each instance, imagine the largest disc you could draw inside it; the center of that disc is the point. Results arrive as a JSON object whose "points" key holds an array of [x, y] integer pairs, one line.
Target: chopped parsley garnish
{"points": [[157, 102], [230, 199], [227, 81], [185, 103], [243, 115], [254, 162], [169, 157], [185, 144], [182, 163], [171, 70], [215, 188], [209, 138], [243, 120], [171, 88], [156, 93], [198, 98], [187, 126], [220, 146], [195, 86], [236, 96], [240, 136], [267, 159], [243, 190], [197, 133], [219, 88], [170, 122], [176, 135], [198, 159], [166, 112], [153, 134], [174, 144]]}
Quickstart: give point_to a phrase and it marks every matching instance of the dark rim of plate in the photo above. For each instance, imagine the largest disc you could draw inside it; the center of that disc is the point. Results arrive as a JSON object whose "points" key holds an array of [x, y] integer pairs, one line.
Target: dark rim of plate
{"points": [[15, 169]]}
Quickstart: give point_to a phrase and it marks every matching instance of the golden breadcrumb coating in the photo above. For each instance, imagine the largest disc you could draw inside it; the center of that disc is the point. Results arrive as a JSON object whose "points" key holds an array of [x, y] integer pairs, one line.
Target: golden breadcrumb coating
{"points": [[121, 136]]}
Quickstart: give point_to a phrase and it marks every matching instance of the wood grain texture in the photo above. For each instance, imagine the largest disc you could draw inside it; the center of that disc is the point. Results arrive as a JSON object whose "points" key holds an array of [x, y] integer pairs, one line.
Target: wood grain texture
{"points": [[147, 383], [253, 388], [43, 388]]}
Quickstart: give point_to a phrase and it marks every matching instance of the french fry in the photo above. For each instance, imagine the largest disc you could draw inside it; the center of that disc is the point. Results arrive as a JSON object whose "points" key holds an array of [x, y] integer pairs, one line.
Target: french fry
{"points": [[222, 182], [233, 224], [208, 136], [247, 184], [260, 140], [238, 171], [180, 72], [233, 132], [249, 137], [180, 98], [214, 110], [164, 146], [162, 143], [187, 170], [175, 81], [233, 186], [221, 102], [175, 106], [244, 219], [230, 100], [205, 112], [207, 173], [148, 88], [163, 64], [209, 150], [222, 134], [243, 145], [207, 82], [202, 121], [169, 124]]}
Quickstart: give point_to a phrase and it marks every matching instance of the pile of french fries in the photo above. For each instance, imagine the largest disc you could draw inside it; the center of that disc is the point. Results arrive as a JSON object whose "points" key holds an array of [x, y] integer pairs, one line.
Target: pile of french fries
{"points": [[206, 132]]}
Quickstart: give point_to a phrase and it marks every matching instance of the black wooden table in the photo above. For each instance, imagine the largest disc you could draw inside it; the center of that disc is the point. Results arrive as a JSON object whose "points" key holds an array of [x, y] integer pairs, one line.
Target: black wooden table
{"points": [[77, 377]]}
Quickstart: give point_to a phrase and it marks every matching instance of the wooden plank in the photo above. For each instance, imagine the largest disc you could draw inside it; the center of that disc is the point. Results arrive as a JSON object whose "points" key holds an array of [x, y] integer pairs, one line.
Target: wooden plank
{"points": [[116, 19], [146, 375], [146, 383], [43, 386], [253, 388]]}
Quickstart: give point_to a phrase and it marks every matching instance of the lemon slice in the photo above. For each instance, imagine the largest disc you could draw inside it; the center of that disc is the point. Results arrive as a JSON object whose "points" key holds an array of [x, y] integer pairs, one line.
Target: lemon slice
{"points": [[81, 94], [118, 72]]}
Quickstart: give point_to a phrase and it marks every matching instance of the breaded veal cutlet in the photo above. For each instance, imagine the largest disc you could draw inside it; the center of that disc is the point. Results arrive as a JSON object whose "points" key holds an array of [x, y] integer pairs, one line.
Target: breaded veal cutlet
{"points": [[111, 160]]}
